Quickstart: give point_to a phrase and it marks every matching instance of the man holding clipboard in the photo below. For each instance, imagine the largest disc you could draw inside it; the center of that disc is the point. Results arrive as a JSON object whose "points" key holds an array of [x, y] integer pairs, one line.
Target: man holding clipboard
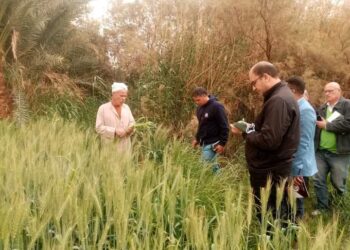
{"points": [[332, 142], [273, 139]]}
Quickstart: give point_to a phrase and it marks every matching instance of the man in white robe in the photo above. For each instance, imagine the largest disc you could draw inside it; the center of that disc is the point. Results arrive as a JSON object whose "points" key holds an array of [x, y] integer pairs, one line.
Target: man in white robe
{"points": [[114, 121]]}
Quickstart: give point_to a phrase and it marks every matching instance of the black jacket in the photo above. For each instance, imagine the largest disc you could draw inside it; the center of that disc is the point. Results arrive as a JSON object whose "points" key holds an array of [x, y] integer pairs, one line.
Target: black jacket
{"points": [[277, 132], [212, 123], [340, 126]]}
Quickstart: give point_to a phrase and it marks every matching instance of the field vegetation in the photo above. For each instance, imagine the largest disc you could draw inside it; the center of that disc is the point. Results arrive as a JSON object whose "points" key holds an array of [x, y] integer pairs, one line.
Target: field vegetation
{"points": [[61, 189], [83, 195]]}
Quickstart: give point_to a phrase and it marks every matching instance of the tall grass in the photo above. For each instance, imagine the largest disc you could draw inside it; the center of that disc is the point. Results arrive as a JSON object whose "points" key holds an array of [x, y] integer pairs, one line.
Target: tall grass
{"points": [[61, 189], [69, 108], [164, 96]]}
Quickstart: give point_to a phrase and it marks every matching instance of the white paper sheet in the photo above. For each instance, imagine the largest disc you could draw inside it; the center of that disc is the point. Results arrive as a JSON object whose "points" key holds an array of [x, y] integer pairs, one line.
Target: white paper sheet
{"points": [[334, 116]]}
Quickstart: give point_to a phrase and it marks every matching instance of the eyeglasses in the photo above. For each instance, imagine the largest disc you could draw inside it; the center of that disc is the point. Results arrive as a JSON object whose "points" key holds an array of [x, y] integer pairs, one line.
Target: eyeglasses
{"points": [[253, 83], [329, 90]]}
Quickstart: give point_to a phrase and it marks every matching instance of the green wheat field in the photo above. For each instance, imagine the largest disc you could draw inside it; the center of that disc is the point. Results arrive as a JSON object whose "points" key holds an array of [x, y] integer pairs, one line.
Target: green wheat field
{"points": [[61, 189]]}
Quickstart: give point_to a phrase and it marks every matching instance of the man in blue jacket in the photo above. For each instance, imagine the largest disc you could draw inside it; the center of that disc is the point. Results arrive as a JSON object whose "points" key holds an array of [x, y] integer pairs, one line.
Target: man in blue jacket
{"points": [[212, 133], [304, 163], [332, 142]]}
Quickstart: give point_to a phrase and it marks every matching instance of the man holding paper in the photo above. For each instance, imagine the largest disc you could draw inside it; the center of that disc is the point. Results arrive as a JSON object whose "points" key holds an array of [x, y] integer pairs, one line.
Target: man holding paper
{"points": [[332, 142], [273, 139]]}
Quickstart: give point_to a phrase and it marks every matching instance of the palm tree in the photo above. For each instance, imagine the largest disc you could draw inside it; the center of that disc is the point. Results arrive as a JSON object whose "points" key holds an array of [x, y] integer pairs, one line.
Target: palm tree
{"points": [[32, 33], [5, 97]]}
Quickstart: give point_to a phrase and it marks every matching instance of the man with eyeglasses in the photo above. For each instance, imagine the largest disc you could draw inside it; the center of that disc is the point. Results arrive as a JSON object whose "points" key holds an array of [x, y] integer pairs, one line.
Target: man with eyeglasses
{"points": [[270, 148], [332, 142]]}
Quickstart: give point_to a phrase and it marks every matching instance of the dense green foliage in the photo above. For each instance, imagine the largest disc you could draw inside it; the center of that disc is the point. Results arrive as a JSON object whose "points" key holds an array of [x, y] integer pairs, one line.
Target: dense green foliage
{"points": [[45, 45], [163, 97]]}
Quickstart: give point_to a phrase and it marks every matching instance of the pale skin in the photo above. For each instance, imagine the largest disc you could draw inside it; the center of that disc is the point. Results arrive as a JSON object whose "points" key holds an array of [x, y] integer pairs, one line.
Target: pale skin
{"points": [[118, 99], [332, 92], [200, 101], [260, 84]]}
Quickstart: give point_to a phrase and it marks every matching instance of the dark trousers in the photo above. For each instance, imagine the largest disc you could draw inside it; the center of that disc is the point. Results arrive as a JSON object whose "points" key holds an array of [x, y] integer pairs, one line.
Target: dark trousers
{"points": [[300, 202], [259, 180]]}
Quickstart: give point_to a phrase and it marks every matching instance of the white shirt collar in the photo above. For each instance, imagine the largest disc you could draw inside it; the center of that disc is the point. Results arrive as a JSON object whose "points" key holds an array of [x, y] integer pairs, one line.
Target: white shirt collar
{"points": [[330, 107]]}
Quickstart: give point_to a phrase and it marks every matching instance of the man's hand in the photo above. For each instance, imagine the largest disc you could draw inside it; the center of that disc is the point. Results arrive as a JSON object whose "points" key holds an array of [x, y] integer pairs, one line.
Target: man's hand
{"points": [[297, 180], [219, 149], [245, 127], [235, 130], [194, 143], [129, 130], [321, 124], [120, 133]]}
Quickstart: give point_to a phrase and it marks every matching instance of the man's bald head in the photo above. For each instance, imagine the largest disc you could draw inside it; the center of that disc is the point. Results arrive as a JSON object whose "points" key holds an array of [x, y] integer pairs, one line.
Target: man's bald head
{"points": [[264, 67], [263, 76], [333, 85], [332, 92]]}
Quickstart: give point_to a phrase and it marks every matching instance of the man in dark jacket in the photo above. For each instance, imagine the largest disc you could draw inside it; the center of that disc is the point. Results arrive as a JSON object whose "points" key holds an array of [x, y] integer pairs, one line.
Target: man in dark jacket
{"points": [[212, 133], [332, 143], [270, 148]]}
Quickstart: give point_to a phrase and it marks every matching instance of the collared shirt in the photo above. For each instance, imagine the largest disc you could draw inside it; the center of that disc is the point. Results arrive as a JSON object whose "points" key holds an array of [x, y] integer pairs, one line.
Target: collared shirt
{"points": [[328, 139], [340, 126], [108, 122], [330, 107]]}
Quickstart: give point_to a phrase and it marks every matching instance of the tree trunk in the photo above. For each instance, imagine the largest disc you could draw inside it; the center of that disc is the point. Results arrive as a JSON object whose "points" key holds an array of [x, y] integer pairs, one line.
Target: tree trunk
{"points": [[6, 105]]}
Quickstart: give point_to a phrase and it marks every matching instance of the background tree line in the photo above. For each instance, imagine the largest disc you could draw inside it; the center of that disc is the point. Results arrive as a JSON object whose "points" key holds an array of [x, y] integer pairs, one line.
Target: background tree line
{"points": [[172, 46], [50, 50]]}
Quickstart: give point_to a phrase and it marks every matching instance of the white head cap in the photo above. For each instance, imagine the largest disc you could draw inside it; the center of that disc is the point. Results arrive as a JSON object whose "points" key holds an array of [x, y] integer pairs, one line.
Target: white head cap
{"points": [[116, 86]]}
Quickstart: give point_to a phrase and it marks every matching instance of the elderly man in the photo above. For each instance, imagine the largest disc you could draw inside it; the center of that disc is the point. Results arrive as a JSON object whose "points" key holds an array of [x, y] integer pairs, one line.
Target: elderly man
{"points": [[114, 121], [304, 163], [332, 142], [270, 147]]}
